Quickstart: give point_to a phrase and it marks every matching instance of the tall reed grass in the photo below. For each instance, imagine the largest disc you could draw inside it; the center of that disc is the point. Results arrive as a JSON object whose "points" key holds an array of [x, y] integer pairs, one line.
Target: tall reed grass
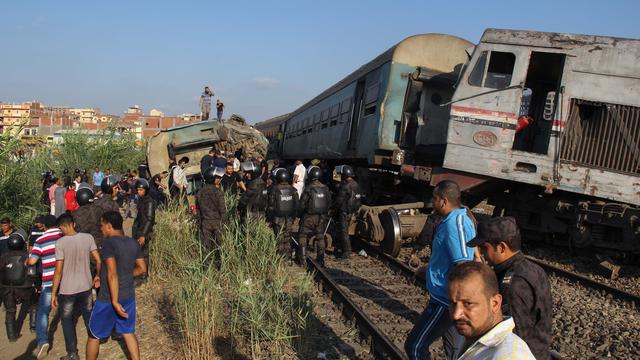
{"points": [[250, 297]]}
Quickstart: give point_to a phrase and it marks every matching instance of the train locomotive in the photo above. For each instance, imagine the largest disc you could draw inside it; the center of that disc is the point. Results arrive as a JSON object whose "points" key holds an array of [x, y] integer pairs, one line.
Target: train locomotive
{"points": [[544, 127]]}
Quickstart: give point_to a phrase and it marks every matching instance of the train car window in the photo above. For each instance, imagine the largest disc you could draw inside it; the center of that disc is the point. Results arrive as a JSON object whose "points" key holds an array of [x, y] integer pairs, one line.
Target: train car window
{"points": [[344, 118], [371, 94], [334, 110], [475, 78], [324, 115], [324, 125], [333, 122], [500, 70], [345, 107]]}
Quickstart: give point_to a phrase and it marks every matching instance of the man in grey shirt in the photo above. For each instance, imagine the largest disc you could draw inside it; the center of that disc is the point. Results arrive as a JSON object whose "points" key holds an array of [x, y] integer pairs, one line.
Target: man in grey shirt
{"points": [[72, 280]]}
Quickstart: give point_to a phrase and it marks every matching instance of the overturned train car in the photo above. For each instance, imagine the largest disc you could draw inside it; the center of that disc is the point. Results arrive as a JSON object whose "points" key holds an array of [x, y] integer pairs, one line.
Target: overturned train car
{"points": [[544, 126]]}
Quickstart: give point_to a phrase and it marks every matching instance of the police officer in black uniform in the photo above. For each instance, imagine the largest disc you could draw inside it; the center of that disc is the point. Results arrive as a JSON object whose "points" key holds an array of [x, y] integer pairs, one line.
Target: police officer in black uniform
{"points": [[104, 203], [314, 208], [282, 205], [17, 283], [252, 200], [212, 211], [83, 216], [142, 229], [346, 205]]}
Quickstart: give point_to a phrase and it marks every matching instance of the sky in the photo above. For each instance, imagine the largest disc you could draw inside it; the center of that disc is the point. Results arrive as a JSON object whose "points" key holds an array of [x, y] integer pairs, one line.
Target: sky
{"points": [[261, 58]]}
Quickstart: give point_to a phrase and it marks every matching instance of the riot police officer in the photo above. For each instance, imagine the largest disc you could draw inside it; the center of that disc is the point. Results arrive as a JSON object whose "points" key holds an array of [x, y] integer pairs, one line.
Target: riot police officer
{"points": [[104, 203], [83, 216], [17, 283], [212, 211], [142, 229], [346, 205], [314, 208], [252, 200], [282, 205]]}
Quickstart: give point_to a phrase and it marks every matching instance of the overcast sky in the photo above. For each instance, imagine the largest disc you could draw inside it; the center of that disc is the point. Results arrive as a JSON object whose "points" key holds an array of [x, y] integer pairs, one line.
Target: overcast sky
{"points": [[262, 58]]}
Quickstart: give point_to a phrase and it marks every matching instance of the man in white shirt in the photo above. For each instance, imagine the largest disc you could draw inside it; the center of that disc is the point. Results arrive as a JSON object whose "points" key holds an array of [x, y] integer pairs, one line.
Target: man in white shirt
{"points": [[299, 175], [179, 177], [475, 308]]}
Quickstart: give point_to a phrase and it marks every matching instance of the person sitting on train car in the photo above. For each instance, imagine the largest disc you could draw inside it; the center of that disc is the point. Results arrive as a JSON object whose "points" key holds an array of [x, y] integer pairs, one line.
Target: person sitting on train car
{"points": [[449, 247], [524, 286], [475, 308]]}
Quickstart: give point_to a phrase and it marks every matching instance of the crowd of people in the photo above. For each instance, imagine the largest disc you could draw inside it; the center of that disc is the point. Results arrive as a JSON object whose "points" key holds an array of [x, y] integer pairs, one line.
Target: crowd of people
{"points": [[487, 301], [77, 259]]}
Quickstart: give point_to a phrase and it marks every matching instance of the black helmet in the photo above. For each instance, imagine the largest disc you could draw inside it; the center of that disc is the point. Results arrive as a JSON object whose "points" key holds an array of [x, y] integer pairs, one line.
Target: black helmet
{"points": [[314, 173], [211, 173], [281, 175], [141, 184], [345, 171], [108, 183], [16, 241], [84, 194], [65, 171]]}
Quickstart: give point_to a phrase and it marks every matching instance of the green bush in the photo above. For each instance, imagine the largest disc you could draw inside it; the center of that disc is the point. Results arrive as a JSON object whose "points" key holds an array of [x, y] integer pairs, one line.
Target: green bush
{"points": [[21, 176], [251, 296]]}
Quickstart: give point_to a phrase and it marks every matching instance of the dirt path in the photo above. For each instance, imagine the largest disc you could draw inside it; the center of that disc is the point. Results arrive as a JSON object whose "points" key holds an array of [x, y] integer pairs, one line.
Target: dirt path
{"points": [[152, 333]]}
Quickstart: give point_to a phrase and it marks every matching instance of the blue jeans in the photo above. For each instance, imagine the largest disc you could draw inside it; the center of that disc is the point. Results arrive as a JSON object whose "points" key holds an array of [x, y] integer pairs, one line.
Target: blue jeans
{"points": [[67, 304], [42, 316], [434, 322]]}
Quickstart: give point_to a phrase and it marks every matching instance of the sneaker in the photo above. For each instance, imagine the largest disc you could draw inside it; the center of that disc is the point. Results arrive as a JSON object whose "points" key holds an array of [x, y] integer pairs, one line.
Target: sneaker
{"points": [[41, 351], [71, 356]]}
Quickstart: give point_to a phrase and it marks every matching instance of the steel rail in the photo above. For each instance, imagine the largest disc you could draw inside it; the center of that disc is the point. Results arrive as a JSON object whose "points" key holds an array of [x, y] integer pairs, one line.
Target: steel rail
{"points": [[380, 343], [588, 282]]}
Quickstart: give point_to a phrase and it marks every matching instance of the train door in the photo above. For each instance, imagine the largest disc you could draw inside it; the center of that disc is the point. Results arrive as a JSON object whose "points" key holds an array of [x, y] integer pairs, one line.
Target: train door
{"points": [[357, 111], [538, 104]]}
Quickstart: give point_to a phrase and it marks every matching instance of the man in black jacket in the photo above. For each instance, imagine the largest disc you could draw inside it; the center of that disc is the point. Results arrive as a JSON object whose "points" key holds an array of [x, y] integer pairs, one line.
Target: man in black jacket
{"points": [[346, 205], [524, 286], [142, 229], [212, 211], [104, 203], [314, 208], [282, 205], [17, 284], [252, 200]]}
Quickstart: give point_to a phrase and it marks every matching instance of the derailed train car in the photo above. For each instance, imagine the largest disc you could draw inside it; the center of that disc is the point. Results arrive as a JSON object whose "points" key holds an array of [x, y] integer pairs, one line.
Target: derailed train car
{"points": [[544, 125]]}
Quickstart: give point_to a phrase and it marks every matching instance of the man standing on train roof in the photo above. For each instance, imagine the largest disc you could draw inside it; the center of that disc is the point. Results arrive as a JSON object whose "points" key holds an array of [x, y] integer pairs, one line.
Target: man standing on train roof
{"points": [[314, 209], [524, 286], [106, 202], [205, 103], [212, 210], [220, 109], [346, 205], [449, 248], [282, 205], [299, 174]]}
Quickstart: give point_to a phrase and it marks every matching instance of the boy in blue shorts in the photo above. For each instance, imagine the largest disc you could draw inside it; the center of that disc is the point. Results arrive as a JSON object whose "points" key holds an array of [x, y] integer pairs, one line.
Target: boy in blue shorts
{"points": [[115, 307]]}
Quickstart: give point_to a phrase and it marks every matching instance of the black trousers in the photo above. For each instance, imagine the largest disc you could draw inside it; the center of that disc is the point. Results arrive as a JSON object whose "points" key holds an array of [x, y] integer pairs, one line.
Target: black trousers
{"points": [[344, 220], [210, 233], [312, 228], [282, 228], [14, 296]]}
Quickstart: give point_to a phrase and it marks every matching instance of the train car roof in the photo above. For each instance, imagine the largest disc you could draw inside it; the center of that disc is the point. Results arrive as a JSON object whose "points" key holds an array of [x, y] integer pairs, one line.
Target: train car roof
{"points": [[404, 52], [273, 121], [548, 39]]}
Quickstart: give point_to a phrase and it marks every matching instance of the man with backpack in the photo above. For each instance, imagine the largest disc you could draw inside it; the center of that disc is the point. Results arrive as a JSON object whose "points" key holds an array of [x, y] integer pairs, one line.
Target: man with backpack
{"points": [[282, 204], [314, 208], [17, 284], [346, 205]]}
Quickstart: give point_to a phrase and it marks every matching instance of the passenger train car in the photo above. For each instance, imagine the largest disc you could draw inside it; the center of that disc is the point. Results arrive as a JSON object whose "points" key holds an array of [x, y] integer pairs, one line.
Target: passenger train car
{"points": [[544, 126]]}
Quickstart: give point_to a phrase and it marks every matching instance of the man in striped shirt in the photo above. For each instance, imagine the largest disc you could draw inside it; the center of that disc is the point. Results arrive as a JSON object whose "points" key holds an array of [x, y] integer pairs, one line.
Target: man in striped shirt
{"points": [[44, 250], [449, 248]]}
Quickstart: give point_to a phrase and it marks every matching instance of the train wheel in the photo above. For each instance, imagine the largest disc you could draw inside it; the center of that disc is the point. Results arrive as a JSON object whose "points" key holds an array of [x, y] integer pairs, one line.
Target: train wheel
{"points": [[392, 232]]}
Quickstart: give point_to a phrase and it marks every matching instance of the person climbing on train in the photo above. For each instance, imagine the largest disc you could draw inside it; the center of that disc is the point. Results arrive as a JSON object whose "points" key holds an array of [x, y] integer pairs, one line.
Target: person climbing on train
{"points": [[282, 205], [448, 249], [314, 210], [346, 205], [524, 286]]}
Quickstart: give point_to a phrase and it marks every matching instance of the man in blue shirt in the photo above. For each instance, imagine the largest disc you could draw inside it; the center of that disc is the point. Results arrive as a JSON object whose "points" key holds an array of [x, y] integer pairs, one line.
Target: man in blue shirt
{"points": [[449, 248], [97, 179]]}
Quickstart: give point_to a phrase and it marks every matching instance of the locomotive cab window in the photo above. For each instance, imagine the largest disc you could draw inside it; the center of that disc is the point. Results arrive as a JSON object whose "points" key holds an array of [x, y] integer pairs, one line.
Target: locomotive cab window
{"points": [[497, 73]]}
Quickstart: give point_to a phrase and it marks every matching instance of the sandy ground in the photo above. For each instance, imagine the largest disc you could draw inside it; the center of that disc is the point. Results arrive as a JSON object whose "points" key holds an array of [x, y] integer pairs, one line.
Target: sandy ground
{"points": [[150, 329]]}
